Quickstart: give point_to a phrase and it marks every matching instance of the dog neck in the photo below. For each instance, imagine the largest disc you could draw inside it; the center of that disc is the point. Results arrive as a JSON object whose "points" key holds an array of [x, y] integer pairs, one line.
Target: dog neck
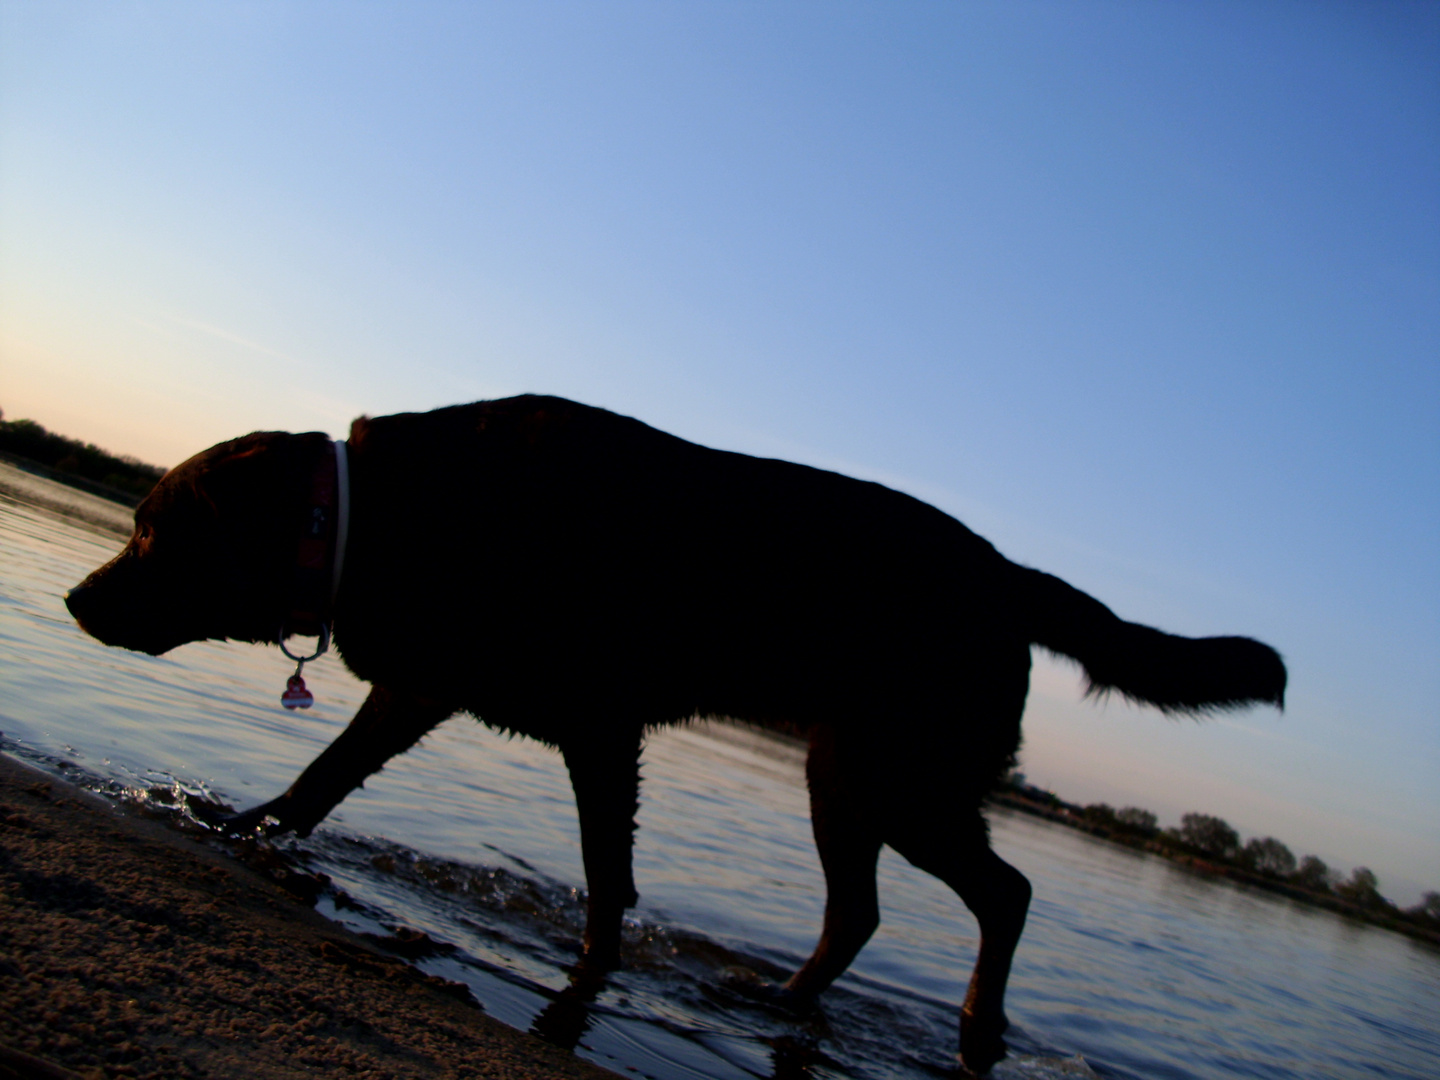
{"points": [[320, 552]]}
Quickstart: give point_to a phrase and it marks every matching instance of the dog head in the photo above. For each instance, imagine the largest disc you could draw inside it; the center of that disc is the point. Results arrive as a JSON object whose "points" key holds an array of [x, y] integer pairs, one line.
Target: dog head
{"points": [[213, 551]]}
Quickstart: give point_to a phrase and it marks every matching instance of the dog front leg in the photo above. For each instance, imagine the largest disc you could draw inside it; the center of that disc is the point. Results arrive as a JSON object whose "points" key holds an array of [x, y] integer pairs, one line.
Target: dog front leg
{"points": [[387, 724], [849, 846], [605, 773]]}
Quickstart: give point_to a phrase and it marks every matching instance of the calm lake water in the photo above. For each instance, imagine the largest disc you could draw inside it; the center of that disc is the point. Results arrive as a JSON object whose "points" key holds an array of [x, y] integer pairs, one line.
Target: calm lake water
{"points": [[1143, 969]]}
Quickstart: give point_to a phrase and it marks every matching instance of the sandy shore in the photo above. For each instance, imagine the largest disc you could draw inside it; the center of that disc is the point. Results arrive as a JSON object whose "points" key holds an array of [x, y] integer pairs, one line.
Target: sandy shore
{"points": [[127, 950]]}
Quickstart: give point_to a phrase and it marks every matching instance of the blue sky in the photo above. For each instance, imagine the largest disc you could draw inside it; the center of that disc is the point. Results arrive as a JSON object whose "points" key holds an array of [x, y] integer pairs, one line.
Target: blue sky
{"points": [[1148, 294]]}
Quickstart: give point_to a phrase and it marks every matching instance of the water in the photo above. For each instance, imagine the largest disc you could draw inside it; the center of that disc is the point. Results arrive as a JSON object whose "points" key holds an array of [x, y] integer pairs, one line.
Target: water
{"points": [[1143, 969]]}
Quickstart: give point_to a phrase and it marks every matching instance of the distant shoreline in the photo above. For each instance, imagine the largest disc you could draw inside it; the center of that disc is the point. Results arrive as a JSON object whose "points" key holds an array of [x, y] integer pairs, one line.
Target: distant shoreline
{"points": [[1043, 804], [70, 479], [31, 487]]}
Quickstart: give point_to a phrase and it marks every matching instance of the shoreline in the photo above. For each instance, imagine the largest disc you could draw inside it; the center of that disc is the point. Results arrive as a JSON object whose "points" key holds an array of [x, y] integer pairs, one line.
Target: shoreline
{"points": [[1059, 812], [128, 499], [130, 950]]}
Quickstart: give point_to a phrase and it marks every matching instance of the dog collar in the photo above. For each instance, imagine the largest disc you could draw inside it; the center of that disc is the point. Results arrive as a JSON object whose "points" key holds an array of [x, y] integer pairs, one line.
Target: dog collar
{"points": [[319, 562], [320, 553], [342, 515]]}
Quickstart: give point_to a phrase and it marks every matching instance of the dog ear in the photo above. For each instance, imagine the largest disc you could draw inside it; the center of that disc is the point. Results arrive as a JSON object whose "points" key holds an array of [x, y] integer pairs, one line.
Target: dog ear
{"points": [[237, 468], [257, 479]]}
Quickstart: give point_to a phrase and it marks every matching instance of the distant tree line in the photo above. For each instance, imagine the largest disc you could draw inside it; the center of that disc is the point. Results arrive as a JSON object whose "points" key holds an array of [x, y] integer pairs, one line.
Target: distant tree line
{"points": [[68, 459], [1213, 844]]}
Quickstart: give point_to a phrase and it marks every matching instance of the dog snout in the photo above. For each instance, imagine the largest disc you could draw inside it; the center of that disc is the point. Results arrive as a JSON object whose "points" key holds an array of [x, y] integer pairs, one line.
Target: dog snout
{"points": [[124, 604], [79, 600], [101, 606], [88, 605]]}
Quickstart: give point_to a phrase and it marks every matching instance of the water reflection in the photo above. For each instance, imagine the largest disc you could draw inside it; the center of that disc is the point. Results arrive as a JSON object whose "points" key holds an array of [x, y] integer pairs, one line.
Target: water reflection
{"points": [[569, 1016]]}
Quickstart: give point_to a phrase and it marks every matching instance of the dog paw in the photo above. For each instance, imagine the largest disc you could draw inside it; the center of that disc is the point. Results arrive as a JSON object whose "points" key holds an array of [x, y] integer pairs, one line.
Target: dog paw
{"points": [[210, 814], [249, 821], [223, 819], [981, 1041], [754, 987], [241, 824]]}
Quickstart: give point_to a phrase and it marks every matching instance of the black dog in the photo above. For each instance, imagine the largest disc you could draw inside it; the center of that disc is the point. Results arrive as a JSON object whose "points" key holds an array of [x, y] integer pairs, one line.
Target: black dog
{"points": [[573, 575]]}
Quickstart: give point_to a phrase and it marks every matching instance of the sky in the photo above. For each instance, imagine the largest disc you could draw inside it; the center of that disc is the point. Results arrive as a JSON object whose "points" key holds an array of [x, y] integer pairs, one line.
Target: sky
{"points": [[1146, 294]]}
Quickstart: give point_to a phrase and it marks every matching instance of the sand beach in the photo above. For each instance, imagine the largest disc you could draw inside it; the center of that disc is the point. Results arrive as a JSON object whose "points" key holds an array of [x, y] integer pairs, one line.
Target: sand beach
{"points": [[130, 950]]}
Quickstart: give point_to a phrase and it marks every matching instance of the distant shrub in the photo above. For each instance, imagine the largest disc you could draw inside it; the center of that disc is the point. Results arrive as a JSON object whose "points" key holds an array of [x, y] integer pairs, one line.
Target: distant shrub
{"points": [[1362, 889], [1267, 856], [1314, 874], [1132, 817], [1428, 910], [1212, 835]]}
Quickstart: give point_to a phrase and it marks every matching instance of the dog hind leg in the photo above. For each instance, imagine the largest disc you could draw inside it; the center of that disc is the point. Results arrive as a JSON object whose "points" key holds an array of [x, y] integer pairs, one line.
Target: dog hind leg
{"points": [[387, 724], [605, 773], [999, 897], [849, 846]]}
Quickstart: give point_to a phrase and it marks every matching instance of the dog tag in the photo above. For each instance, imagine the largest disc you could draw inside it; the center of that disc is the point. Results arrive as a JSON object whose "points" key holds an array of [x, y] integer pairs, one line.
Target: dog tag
{"points": [[295, 695]]}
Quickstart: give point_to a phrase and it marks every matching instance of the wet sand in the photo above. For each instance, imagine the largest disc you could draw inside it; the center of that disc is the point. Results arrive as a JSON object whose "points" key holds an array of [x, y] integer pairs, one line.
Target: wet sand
{"points": [[128, 950]]}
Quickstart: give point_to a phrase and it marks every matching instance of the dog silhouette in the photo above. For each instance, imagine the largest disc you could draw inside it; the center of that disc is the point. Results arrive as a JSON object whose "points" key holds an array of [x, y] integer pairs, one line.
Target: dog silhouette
{"points": [[576, 576]]}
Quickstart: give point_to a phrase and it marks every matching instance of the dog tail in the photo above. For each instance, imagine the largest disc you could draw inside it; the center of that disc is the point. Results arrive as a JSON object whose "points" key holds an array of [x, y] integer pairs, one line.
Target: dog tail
{"points": [[1175, 674]]}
